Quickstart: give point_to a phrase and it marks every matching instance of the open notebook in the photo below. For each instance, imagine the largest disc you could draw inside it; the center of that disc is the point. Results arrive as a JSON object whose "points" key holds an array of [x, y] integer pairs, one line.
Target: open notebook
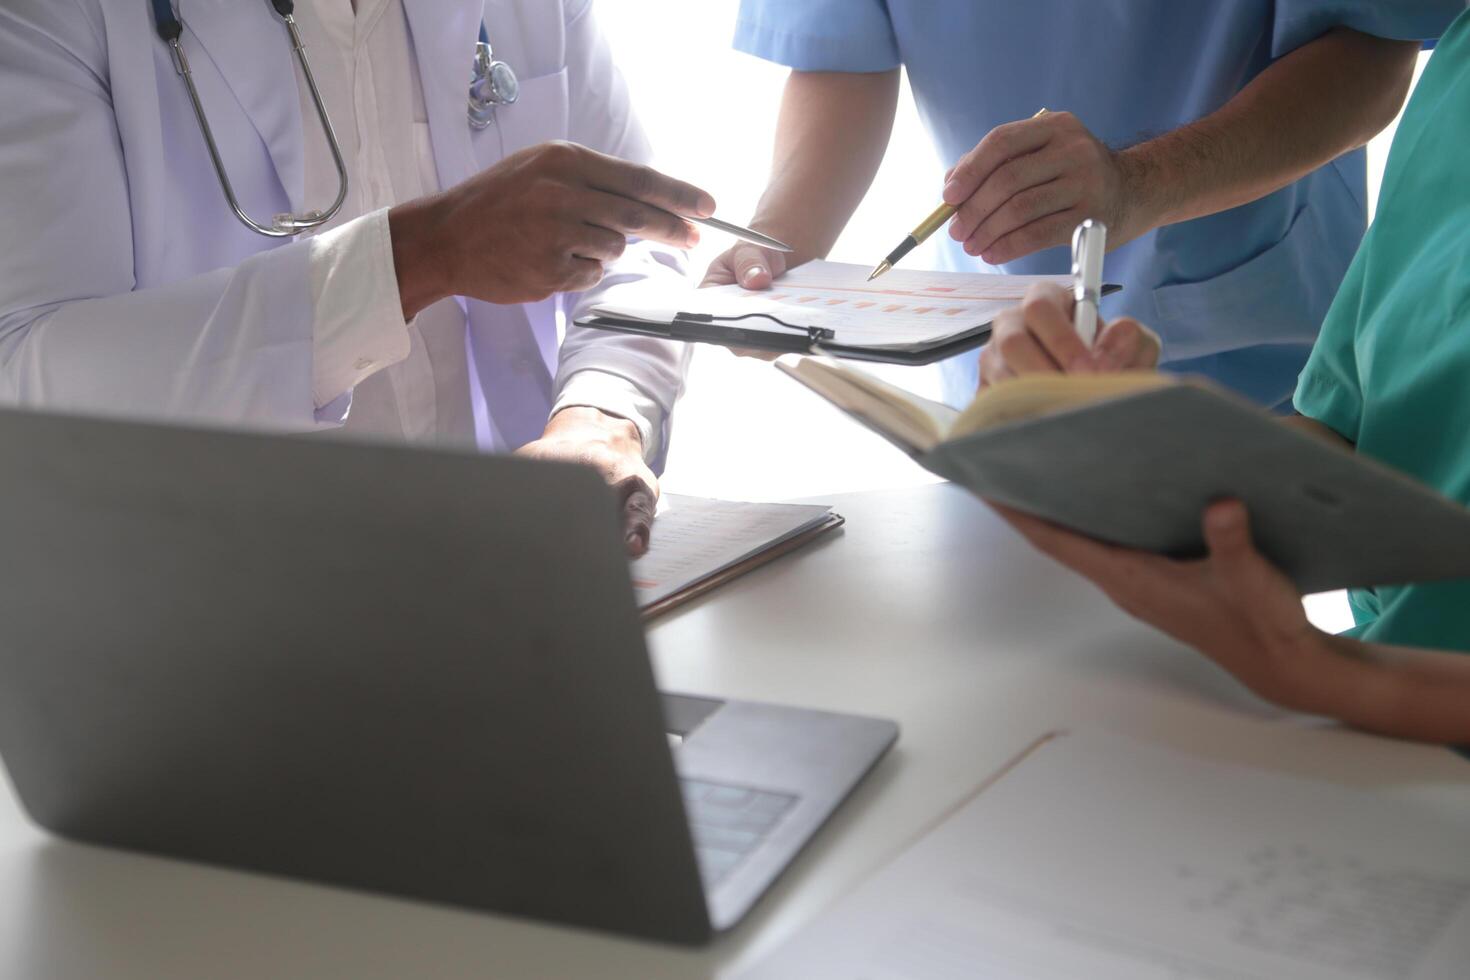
{"points": [[698, 544], [1135, 459], [1101, 857], [908, 317]]}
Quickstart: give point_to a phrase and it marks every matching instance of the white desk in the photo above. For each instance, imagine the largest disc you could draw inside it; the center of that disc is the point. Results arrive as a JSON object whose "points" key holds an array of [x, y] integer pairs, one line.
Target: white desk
{"points": [[925, 610]]}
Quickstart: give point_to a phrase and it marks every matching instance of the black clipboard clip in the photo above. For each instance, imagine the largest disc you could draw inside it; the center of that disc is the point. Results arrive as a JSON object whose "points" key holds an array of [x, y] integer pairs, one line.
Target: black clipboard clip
{"points": [[814, 335]]}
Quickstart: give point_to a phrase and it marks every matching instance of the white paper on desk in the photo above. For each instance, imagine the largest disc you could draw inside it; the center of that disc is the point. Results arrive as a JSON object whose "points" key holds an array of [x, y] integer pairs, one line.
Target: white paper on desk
{"points": [[901, 309], [695, 537], [1104, 858]]}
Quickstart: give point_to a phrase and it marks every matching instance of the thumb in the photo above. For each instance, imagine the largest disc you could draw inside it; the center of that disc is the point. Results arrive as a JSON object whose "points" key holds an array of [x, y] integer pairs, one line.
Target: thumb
{"points": [[721, 271], [1227, 531], [755, 268], [1265, 592], [638, 512]]}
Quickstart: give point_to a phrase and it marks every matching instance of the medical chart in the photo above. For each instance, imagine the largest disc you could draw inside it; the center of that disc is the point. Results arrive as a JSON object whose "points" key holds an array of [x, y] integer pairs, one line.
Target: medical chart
{"points": [[695, 538], [1111, 859], [902, 308]]}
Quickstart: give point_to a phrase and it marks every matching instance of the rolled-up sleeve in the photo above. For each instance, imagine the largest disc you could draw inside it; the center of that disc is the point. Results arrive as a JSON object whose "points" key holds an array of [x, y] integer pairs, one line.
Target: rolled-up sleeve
{"points": [[1299, 21], [819, 35]]}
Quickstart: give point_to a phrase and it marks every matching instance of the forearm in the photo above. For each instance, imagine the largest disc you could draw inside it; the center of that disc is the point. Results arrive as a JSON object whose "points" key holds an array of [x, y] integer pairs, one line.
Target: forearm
{"points": [[830, 138], [1322, 100], [1403, 692]]}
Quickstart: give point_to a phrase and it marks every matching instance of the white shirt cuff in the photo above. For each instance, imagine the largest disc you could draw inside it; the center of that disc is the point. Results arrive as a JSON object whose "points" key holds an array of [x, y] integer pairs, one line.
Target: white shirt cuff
{"points": [[615, 395], [358, 326]]}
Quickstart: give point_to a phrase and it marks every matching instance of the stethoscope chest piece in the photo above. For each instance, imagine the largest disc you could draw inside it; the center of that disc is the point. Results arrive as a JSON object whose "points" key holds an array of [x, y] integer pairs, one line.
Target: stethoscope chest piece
{"points": [[494, 84]]}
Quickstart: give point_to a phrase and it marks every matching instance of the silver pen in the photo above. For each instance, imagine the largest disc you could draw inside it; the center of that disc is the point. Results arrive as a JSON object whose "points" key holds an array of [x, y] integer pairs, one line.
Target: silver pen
{"points": [[1089, 245], [744, 234]]}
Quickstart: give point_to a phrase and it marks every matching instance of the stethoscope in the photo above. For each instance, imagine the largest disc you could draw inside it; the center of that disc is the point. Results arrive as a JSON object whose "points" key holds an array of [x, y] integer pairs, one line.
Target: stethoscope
{"points": [[492, 85]]}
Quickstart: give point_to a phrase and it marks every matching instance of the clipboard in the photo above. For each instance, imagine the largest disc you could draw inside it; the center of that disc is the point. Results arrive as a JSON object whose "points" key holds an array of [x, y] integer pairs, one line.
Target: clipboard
{"points": [[781, 337]]}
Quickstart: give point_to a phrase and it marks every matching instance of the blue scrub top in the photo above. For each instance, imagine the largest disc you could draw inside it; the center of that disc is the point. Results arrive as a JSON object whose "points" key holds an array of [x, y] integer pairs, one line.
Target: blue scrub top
{"points": [[1239, 295]]}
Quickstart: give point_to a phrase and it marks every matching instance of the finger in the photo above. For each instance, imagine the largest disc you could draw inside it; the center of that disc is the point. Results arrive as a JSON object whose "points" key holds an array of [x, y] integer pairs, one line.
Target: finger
{"points": [[628, 217], [638, 510], [1023, 354], [1029, 205], [599, 244], [1002, 143], [581, 274], [1012, 178], [720, 272], [993, 366], [1046, 233], [640, 183], [1012, 350], [1130, 579], [1126, 344], [1047, 311], [1093, 559], [755, 267]]}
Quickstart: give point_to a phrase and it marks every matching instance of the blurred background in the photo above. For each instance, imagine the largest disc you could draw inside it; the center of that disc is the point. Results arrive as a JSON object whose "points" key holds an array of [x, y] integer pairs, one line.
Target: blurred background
{"points": [[744, 431]]}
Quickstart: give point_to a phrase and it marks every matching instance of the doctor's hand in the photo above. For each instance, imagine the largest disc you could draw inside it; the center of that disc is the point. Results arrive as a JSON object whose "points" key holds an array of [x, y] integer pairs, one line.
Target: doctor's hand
{"points": [[542, 221], [1039, 337], [612, 446], [1029, 184]]}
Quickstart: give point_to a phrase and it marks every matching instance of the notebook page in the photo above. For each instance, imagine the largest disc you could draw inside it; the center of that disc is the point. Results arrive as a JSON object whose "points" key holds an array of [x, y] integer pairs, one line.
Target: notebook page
{"points": [[1112, 859], [901, 309], [696, 537]]}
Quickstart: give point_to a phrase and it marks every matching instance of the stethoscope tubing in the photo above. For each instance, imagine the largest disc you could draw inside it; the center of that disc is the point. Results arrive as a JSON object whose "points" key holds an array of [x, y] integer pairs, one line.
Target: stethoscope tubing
{"points": [[171, 30]]}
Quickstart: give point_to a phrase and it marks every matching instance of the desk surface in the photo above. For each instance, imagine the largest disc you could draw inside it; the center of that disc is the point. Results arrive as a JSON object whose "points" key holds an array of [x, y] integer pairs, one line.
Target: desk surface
{"points": [[925, 609]]}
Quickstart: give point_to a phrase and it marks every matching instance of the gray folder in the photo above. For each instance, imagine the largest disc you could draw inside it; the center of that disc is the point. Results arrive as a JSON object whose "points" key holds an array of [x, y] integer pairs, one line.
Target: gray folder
{"points": [[1140, 470]]}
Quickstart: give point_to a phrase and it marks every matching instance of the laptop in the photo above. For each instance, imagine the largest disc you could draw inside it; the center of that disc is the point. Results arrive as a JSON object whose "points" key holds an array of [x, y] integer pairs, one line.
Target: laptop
{"points": [[406, 671]]}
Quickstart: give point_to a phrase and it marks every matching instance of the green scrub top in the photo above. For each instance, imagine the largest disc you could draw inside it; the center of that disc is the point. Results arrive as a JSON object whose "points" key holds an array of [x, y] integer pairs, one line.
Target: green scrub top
{"points": [[1391, 369]]}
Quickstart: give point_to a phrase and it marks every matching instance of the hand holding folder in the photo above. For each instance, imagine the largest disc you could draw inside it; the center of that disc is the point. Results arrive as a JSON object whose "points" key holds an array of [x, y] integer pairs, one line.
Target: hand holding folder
{"points": [[1134, 459]]}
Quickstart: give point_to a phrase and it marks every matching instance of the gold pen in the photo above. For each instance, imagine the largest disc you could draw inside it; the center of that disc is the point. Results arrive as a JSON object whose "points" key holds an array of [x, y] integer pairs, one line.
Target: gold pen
{"points": [[927, 227]]}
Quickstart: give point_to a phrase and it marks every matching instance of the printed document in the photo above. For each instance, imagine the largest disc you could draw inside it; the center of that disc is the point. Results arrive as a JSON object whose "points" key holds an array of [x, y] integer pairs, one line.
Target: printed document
{"points": [[1111, 859]]}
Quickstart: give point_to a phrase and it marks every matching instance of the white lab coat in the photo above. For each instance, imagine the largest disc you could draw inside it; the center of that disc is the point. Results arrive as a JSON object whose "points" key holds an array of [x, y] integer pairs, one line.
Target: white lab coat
{"points": [[127, 286]]}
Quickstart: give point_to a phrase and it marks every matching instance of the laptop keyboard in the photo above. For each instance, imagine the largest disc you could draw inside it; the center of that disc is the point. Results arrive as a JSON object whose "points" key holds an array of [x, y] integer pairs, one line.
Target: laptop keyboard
{"points": [[728, 822]]}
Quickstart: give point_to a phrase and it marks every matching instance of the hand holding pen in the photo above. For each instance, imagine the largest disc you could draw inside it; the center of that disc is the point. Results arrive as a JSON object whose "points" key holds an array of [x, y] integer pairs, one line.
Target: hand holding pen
{"points": [[1053, 330], [936, 218], [1026, 186]]}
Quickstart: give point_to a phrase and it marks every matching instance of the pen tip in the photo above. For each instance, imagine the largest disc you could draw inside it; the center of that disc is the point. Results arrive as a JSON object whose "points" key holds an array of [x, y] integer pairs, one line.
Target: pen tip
{"points": [[882, 268]]}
